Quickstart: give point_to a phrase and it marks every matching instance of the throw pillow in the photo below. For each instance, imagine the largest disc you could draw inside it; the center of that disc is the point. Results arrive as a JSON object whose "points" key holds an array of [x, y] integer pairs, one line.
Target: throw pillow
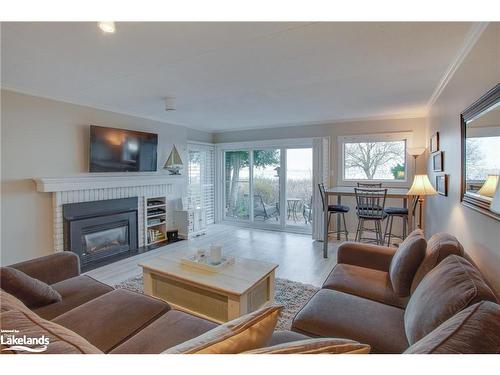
{"points": [[452, 286], [315, 346], [405, 263], [248, 332], [475, 330], [32, 292]]}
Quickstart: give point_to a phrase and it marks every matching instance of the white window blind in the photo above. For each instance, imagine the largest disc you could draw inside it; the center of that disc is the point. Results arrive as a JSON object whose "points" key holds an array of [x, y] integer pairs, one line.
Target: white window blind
{"points": [[201, 178]]}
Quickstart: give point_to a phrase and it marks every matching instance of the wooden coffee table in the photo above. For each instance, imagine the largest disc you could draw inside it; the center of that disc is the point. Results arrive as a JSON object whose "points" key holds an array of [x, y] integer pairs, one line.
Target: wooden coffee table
{"points": [[235, 290]]}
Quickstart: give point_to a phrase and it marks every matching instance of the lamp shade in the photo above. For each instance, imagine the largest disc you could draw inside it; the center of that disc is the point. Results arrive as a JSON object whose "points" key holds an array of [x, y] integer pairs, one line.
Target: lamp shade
{"points": [[416, 151], [489, 187], [421, 186]]}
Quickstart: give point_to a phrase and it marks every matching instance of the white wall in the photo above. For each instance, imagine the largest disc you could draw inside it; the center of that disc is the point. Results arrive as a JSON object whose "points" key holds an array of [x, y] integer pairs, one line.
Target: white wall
{"points": [[416, 126], [42, 138], [480, 234]]}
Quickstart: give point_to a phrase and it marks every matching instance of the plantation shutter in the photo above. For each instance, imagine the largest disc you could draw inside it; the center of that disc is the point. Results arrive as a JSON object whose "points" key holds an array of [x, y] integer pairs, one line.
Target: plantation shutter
{"points": [[201, 178], [321, 174]]}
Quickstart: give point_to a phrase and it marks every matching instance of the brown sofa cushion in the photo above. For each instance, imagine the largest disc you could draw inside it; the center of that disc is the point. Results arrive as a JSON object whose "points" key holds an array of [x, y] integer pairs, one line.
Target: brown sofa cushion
{"points": [[365, 255], [15, 316], [112, 318], [364, 282], [446, 290], [169, 330], [330, 313], [405, 263], [74, 292], [248, 332], [315, 346], [475, 330], [30, 291], [439, 246]]}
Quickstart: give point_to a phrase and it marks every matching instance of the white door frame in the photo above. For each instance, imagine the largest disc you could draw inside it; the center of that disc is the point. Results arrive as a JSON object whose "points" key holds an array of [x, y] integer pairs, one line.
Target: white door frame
{"points": [[282, 145]]}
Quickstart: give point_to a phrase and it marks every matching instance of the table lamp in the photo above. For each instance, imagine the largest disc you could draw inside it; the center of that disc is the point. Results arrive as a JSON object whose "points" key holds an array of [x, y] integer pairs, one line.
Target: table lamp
{"points": [[421, 187], [495, 203]]}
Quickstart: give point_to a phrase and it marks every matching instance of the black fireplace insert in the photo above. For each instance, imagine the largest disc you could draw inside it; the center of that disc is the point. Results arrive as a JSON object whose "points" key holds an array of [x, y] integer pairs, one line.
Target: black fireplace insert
{"points": [[101, 231]]}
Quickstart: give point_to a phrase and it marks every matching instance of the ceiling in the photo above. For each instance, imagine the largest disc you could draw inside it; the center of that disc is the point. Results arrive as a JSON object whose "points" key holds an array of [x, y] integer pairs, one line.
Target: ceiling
{"points": [[230, 76]]}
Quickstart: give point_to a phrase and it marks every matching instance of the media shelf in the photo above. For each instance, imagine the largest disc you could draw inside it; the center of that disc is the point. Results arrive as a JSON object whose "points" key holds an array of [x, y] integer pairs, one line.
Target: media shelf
{"points": [[155, 220]]}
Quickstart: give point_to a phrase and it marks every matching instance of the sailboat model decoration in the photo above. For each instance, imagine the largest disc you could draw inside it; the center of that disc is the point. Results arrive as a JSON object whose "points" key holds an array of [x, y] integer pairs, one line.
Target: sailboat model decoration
{"points": [[174, 162]]}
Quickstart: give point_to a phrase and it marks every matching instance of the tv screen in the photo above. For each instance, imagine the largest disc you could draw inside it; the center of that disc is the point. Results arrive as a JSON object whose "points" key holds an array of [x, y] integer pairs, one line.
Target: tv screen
{"points": [[120, 150]]}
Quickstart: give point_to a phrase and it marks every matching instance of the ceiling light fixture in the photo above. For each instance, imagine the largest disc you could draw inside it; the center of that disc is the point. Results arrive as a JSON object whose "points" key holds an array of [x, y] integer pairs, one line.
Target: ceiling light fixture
{"points": [[107, 27], [169, 103]]}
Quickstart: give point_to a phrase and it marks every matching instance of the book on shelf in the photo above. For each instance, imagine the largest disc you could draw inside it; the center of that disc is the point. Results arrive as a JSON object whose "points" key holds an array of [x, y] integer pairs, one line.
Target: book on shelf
{"points": [[155, 235], [155, 221], [155, 203], [156, 211]]}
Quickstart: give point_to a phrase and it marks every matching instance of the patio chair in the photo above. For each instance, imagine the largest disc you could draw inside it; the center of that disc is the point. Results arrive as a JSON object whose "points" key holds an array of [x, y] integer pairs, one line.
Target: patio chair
{"points": [[307, 211], [266, 211]]}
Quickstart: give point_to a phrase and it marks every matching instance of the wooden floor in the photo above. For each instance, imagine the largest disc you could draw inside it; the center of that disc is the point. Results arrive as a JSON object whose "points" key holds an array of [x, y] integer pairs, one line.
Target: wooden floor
{"points": [[299, 257]]}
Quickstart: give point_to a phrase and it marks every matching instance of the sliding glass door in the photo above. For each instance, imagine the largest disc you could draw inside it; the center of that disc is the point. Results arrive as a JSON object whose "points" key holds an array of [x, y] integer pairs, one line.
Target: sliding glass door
{"points": [[269, 187], [266, 186], [299, 193], [237, 185]]}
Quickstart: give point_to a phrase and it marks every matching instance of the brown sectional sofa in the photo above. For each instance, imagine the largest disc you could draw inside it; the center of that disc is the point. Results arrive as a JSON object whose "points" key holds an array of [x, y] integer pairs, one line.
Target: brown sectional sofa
{"points": [[108, 320], [358, 300], [441, 305]]}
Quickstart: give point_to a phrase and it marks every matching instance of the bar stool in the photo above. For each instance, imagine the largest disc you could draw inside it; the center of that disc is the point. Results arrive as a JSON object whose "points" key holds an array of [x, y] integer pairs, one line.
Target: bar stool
{"points": [[334, 209], [392, 212], [370, 205]]}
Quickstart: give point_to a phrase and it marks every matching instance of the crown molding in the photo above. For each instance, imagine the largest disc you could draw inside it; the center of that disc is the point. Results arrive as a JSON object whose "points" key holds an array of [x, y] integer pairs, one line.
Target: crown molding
{"points": [[470, 40], [334, 121]]}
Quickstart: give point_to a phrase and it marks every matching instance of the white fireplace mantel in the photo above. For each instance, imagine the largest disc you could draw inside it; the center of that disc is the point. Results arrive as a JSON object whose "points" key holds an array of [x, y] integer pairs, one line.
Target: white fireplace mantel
{"points": [[56, 184]]}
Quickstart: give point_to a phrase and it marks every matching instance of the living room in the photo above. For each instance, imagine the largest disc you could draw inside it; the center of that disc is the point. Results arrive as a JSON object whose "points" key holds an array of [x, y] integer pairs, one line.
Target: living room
{"points": [[256, 187]]}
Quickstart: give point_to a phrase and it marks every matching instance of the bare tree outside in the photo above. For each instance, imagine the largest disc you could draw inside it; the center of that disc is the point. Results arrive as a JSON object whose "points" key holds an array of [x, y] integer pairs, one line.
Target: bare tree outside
{"points": [[474, 160], [373, 160]]}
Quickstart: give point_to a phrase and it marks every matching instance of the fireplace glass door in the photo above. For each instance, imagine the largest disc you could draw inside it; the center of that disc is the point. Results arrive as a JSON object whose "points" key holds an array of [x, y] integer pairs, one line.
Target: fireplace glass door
{"points": [[105, 241]]}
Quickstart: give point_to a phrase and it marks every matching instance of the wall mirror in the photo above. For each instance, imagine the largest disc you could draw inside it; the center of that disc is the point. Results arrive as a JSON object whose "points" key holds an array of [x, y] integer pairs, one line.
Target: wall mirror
{"points": [[481, 154]]}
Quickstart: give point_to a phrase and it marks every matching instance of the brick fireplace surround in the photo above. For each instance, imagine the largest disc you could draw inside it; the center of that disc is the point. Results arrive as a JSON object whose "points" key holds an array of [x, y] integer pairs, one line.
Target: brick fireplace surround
{"points": [[94, 188]]}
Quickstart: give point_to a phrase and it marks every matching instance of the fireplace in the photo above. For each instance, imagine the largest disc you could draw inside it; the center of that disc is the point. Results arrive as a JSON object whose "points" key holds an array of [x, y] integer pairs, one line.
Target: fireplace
{"points": [[101, 231]]}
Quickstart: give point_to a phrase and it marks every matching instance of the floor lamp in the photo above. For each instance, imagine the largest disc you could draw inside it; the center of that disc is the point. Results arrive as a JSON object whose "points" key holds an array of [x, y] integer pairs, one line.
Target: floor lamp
{"points": [[420, 188], [415, 152]]}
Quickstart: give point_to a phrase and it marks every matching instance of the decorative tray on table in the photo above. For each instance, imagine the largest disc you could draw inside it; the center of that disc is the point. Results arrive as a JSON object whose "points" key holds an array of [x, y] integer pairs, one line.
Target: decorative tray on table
{"points": [[205, 264]]}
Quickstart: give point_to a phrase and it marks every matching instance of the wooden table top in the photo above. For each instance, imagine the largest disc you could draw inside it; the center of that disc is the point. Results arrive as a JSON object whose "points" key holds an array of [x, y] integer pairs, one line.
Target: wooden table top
{"points": [[349, 190], [235, 279]]}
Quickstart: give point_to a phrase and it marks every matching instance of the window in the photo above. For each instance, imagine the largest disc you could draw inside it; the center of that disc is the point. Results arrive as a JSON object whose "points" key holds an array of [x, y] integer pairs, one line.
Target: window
{"points": [[376, 158], [201, 178]]}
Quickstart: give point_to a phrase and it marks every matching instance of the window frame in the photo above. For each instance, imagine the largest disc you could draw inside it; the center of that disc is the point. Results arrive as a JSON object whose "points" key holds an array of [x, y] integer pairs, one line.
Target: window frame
{"points": [[205, 176], [376, 137]]}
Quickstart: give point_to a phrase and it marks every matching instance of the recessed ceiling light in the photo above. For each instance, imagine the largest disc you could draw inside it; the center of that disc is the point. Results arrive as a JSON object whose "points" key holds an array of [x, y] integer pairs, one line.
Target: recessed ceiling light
{"points": [[107, 27]]}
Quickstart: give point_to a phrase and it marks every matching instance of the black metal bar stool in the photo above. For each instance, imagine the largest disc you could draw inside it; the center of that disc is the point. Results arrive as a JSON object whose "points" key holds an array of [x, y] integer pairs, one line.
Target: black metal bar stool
{"points": [[334, 209], [393, 212], [370, 207]]}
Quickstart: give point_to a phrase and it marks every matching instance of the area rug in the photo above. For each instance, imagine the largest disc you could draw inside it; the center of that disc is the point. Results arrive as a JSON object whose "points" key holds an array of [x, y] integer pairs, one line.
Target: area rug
{"points": [[291, 294]]}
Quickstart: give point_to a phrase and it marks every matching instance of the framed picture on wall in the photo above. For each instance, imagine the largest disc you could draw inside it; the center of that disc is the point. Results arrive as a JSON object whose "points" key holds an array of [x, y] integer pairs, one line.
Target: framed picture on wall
{"points": [[434, 142], [438, 162], [442, 184]]}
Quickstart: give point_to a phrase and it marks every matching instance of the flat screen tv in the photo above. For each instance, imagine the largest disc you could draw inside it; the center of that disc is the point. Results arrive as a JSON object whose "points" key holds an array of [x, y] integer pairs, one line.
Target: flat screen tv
{"points": [[120, 150]]}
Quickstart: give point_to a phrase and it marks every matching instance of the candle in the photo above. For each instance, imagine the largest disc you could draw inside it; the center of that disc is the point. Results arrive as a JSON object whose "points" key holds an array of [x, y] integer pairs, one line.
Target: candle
{"points": [[215, 253]]}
